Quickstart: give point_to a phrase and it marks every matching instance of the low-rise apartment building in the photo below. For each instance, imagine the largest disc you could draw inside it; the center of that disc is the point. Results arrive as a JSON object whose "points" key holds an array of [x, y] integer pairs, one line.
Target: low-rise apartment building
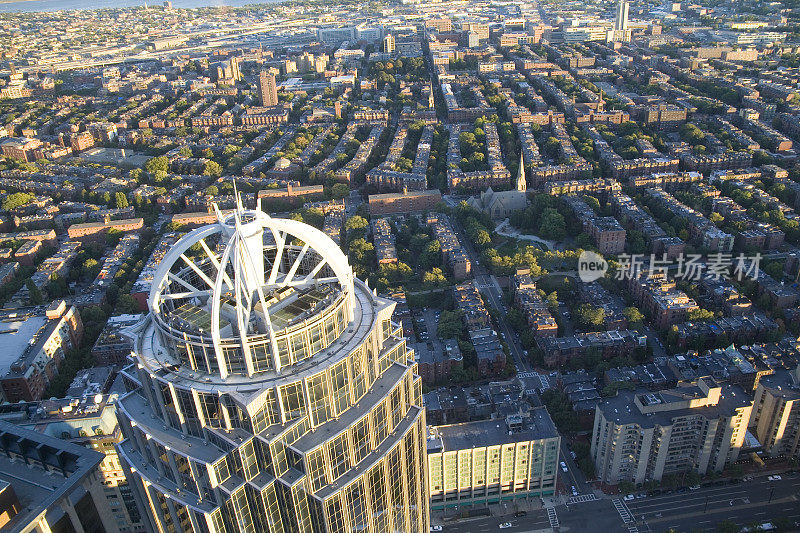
{"points": [[489, 461]]}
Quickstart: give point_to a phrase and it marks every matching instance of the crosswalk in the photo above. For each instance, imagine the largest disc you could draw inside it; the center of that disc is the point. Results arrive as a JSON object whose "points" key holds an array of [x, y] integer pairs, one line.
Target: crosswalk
{"points": [[623, 511], [553, 517], [581, 498]]}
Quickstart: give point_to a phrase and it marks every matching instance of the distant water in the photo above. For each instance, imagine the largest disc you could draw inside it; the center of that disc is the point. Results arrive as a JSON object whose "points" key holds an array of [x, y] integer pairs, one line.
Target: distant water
{"points": [[71, 5]]}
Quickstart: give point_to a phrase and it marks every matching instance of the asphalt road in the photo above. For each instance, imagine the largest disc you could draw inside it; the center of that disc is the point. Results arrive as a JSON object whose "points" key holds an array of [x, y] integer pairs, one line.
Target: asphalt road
{"points": [[686, 512], [758, 500], [487, 284]]}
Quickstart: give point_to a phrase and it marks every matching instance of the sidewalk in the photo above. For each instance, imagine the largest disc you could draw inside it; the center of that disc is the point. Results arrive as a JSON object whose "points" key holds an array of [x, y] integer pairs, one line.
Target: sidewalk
{"points": [[505, 508], [504, 228]]}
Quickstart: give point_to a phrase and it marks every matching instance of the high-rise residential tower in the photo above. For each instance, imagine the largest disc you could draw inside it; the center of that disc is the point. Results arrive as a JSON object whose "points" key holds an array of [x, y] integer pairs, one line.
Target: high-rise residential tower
{"points": [[621, 22], [271, 390], [268, 88]]}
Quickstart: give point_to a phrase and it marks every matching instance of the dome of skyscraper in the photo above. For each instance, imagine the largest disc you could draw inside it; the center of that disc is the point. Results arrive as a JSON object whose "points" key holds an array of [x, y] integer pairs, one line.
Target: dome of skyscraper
{"points": [[271, 387]]}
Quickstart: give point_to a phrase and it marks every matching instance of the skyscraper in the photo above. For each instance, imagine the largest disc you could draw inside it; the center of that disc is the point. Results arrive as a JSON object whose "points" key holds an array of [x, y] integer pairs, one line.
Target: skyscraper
{"points": [[268, 88], [388, 44], [271, 390], [621, 22]]}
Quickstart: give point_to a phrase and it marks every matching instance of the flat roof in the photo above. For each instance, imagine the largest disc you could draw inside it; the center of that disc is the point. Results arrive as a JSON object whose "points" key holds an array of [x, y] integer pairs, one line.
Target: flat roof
{"points": [[485, 433], [16, 334], [622, 410], [38, 490], [385, 196]]}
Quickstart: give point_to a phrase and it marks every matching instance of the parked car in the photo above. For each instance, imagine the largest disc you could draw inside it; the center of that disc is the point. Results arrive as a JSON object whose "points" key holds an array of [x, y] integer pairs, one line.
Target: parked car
{"points": [[436, 528], [628, 498], [520, 514], [574, 491]]}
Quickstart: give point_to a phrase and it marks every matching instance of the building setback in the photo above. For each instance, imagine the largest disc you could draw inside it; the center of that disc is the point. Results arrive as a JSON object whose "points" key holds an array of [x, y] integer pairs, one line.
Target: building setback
{"points": [[305, 417]]}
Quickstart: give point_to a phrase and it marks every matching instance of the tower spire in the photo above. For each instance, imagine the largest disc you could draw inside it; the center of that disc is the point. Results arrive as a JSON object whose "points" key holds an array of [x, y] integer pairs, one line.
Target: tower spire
{"points": [[522, 183]]}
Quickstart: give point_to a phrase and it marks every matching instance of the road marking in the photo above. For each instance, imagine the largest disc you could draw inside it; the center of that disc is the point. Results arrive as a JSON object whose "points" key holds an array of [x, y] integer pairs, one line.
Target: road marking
{"points": [[553, 517], [623, 511], [581, 498]]}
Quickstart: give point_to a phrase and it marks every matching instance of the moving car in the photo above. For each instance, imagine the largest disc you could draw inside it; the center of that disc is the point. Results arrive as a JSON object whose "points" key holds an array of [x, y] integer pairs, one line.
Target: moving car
{"points": [[574, 491], [564, 466], [436, 528], [505, 525], [776, 477], [520, 514]]}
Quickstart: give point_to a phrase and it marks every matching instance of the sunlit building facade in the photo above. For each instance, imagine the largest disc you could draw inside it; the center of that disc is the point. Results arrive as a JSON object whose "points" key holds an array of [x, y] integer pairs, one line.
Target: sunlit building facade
{"points": [[271, 391]]}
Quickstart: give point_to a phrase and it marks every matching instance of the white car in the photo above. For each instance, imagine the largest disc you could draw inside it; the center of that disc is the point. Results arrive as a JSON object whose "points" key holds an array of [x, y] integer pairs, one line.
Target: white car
{"points": [[436, 528], [505, 525], [574, 491], [776, 477], [628, 498], [564, 466]]}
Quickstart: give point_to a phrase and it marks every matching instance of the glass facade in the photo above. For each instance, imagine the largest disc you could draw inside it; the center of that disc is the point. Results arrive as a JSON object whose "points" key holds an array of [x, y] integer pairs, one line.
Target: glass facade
{"points": [[333, 441], [482, 462]]}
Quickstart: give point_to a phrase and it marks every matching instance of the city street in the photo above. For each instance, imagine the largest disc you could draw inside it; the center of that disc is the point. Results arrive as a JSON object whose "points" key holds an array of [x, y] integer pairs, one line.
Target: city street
{"points": [[684, 512], [744, 503], [487, 284]]}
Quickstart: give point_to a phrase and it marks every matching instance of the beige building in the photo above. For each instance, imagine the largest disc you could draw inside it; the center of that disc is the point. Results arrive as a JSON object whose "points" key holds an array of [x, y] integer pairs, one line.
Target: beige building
{"points": [[491, 460], [640, 436], [776, 413], [90, 422]]}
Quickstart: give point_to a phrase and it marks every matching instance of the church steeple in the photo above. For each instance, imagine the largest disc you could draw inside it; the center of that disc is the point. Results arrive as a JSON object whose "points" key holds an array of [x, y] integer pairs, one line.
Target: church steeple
{"points": [[522, 184]]}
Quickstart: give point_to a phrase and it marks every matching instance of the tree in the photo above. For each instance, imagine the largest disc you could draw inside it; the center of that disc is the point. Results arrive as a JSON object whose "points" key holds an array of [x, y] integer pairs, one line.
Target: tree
{"points": [[589, 316], [450, 324], [339, 191], [355, 227], [700, 314], [90, 268], [185, 151], [434, 278], [127, 304], [212, 168], [17, 199], [633, 315], [120, 200], [212, 190], [34, 292], [157, 163], [359, 248], [552, 224], [727, 526], [113, 236]]}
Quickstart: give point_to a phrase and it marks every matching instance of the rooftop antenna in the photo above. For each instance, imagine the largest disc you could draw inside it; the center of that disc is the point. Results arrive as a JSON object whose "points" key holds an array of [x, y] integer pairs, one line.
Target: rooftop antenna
{"points": [[239, 205]]}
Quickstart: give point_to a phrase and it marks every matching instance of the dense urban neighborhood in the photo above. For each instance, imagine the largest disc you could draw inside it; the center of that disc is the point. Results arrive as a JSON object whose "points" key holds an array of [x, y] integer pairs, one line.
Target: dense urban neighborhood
{"points": [[400, 266]]}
